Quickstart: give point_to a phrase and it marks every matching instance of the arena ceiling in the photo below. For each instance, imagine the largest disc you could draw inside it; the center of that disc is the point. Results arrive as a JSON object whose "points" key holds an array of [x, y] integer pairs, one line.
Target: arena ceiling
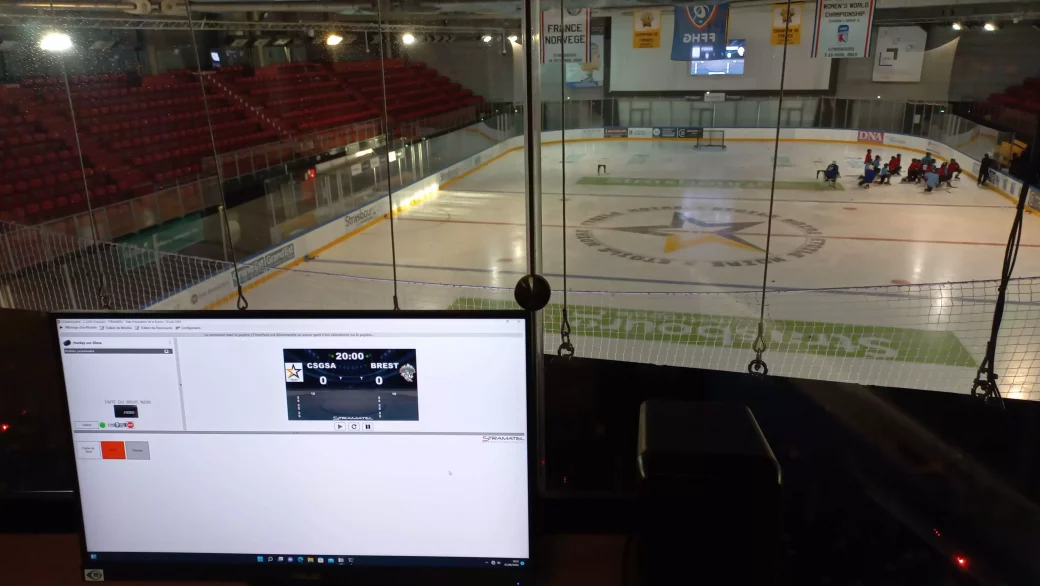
{"points": [[454, 13]]}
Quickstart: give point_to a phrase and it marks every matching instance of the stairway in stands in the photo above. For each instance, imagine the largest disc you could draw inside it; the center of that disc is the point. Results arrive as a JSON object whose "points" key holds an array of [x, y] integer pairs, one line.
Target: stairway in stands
{"points": [[413, 93], [299, 97], [309, 97]]}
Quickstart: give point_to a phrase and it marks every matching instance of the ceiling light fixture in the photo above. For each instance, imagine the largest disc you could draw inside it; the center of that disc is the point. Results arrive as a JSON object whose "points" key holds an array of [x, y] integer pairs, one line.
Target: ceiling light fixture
{"points": [[989, 26], [408, 38], [486, 39], [957, 26], [512, 38], [333, 39], [56, 42]]}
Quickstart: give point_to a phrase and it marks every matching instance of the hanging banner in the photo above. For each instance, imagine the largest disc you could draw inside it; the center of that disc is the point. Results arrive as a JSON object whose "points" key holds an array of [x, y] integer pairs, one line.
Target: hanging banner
{"points": [[842, 28], [900, 53], [646, 29], [587, 74], [789, 21], [700, 29], [566, 39]]}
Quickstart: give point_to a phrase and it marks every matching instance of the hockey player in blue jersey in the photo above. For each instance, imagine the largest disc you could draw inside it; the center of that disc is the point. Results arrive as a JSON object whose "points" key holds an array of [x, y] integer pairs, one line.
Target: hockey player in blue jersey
{"points": [[831, 173], [868, 177]]}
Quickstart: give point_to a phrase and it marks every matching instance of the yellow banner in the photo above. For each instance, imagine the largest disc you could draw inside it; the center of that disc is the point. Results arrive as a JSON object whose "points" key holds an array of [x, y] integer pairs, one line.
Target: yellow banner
{"points": [[646, 29], [792, 21]]}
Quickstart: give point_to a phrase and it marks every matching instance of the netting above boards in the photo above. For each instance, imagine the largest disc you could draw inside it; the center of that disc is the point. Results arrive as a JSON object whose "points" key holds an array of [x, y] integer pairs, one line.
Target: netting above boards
{"points": [[914, 336]]}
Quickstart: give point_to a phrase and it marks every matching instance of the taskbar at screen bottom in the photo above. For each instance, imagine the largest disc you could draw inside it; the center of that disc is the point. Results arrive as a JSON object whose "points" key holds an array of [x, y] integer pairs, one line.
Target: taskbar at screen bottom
{"points": [[297, 560]]}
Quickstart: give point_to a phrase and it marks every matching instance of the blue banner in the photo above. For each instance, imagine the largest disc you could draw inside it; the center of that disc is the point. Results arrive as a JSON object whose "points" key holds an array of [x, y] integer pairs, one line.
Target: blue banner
{"points": [[700, 29]]}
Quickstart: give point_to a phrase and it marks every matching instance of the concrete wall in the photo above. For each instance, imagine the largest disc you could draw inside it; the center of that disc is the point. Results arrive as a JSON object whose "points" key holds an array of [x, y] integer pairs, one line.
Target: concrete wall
{"points": [[855, 76], [988, 63]]}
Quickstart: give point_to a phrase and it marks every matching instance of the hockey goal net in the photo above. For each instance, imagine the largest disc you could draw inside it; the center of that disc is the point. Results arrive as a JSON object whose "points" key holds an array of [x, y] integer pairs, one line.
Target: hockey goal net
{"points": [[712, 138]]}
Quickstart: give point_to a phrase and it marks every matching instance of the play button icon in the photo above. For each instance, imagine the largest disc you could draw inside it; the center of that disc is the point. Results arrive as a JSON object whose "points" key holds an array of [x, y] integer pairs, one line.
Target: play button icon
{"points": [[339, 426]]}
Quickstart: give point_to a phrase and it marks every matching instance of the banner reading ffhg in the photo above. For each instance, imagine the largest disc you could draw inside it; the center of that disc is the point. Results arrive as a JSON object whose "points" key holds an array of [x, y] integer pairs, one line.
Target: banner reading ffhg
{"points": [[700, 29]]}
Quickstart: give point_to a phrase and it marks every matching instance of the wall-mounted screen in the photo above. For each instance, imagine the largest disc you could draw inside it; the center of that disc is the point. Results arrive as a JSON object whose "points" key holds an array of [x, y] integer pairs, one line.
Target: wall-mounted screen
{"points": [[704, 61]]}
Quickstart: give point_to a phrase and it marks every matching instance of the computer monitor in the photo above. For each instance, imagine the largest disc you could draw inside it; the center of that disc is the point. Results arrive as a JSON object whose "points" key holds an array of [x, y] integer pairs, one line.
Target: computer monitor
{"points": [[273, 445]]}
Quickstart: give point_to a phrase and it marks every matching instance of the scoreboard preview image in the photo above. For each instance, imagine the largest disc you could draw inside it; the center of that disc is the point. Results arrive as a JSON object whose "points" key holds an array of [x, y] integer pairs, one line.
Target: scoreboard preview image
{"points": [[351, 384]]}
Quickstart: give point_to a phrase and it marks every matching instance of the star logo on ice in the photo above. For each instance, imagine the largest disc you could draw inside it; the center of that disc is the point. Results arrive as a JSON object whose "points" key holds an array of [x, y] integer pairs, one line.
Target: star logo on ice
{"points": [[294, 372], [686, 231], [681, 230]]}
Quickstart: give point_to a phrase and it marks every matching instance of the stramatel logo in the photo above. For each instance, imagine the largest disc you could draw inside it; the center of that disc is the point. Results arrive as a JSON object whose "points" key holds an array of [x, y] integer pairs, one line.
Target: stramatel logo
{"points": [[698, 236], [492, 439]]}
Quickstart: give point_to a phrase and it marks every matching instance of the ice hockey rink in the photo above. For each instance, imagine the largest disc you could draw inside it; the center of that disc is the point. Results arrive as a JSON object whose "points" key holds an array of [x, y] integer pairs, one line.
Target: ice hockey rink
{"points": [[887, 285]]}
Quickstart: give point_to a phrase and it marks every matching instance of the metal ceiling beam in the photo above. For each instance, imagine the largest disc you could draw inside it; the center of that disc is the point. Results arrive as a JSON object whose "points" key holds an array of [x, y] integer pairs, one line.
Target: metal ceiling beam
{"points": [[78, 5], [321, 7], [201, 24], [1000, 17]]}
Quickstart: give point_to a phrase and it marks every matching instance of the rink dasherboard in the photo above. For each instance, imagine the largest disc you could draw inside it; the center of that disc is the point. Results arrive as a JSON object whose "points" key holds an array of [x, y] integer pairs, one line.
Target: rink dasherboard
{"points": [[804, 337], [708, 183]]}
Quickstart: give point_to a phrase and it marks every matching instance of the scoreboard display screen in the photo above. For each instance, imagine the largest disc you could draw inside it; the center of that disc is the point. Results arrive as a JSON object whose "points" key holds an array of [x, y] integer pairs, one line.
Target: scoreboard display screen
{"points": [[350, 384], [729, 62]]}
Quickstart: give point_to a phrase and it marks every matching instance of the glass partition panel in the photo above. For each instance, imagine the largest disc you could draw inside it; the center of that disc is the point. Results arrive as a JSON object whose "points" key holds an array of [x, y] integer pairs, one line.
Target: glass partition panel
{"points": [[381, 145]]}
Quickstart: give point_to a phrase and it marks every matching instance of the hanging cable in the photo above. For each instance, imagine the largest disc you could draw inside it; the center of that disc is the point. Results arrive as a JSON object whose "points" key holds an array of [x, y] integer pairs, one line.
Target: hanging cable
{"points": [[389, 141], [242, 303], [104, 299], [985, 383], [566, 348], [758, 365]]}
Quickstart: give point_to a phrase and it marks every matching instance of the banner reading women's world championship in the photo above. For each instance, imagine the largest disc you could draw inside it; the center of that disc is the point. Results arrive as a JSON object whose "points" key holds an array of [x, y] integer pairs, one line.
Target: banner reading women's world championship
{"points": [[842, 28], [700, 27], [566, 39], [646, 29]]}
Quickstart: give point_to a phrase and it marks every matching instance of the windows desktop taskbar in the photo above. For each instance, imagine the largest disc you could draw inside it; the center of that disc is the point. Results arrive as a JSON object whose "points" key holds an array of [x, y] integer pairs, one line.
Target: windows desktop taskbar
{"points": [[304, 560]]}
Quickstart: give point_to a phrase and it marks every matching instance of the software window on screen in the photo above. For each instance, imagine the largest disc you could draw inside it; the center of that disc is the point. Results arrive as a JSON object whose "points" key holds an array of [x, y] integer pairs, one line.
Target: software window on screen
{"points": [[362, 437]]}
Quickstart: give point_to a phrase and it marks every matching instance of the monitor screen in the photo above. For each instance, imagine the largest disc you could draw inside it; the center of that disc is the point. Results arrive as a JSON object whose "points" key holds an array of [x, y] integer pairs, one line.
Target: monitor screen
{"points": [[730, 62], [291, 440]]}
